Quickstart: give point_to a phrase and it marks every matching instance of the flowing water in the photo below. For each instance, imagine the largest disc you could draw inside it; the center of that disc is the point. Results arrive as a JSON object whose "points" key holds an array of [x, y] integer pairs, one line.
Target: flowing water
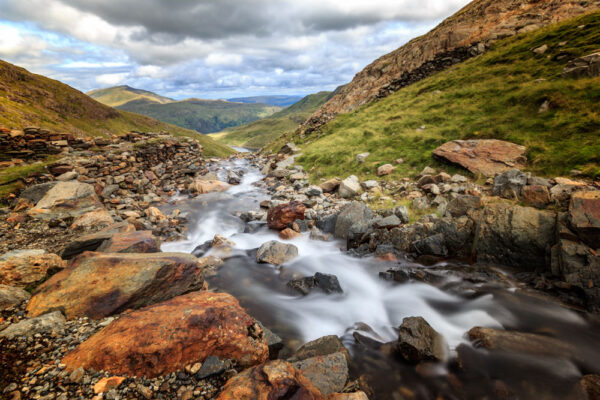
{"points": [[375, 308]]}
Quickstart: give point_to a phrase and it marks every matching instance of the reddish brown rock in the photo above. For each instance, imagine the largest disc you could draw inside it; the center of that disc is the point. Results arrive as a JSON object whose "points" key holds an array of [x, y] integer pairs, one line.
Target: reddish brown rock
{"points": [[96, 218], [106, 384], [536, 195], [208, 186], [288, 234], [584, 213], [348, 396], [486, 157], [280, 217], [29, 268], [166, 337], [275, 380], [131, 242], [99, 284]]}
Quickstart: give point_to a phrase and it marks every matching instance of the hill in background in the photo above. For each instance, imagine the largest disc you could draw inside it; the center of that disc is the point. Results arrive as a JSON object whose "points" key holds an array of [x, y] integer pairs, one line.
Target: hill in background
{"points": [[119, 95], [279, 101], [28, 99], [259, 133], [510, 93]]}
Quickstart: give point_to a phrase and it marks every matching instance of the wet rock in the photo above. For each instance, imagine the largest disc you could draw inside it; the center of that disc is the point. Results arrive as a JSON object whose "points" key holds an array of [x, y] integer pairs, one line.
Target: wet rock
{"points": [[211, 366], [584, 216], [128, 281], [131, 242], [418, 341], [487, 157], [93, 241], [462, 204], [275, 380], [92, 219], [354, 214], [166, 337], [515, 236], [326, 282], [208, 186], [11, 296], [320, 347], [276, 253], [509, 184], [349, 187], [233, 178], [330, 185], [288, 234], [29, 267], [45, 324], [327, 373], [385, 170], [281, 216], [317, 234]]}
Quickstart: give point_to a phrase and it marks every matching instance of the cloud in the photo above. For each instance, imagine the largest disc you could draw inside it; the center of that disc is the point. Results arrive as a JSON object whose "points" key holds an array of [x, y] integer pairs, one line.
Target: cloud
{"points": [[211, 48]]}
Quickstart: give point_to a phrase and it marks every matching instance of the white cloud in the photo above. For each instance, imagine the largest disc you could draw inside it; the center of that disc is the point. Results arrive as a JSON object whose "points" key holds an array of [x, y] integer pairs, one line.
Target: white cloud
{"points": [[111, 79], [220, 59]]}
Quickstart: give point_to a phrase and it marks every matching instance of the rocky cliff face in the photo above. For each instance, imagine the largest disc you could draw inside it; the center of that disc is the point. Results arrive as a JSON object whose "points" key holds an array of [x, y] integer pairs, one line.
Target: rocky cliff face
{"points": [[469, 30]]}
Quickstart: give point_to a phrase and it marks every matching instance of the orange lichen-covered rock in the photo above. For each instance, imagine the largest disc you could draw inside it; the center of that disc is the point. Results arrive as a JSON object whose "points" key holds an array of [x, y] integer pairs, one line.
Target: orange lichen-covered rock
{"points": [[106, 384], [166, 337], [96, 285], [280, 217], [274, 380], [28, 267], [131, 242]]}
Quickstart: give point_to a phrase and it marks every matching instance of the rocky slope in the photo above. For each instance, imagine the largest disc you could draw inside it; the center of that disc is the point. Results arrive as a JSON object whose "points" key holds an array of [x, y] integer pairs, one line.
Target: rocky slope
{"points": [[475, 26]]}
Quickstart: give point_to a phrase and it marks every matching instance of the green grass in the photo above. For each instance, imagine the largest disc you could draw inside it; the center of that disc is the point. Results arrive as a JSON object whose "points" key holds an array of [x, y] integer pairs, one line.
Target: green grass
{"points": [[204, 116], [495, 95], [119, 95], [10, 178], [259, 133]]}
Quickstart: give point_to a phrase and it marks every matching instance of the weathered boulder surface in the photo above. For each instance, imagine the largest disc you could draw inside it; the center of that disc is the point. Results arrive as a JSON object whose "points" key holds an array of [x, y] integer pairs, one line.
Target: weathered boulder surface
{"points": [[28, 267], [515, 236], [201, 186], [349, 187], [354, 216], [326, 282], [99, 284], [92, 241], [166, 337], [487, 157], [330, 185], [66, 199], [275, 380], [584, 213], [281, 216], [53, 322], [11, 296], [320, 347], [328, 373], [63, 191], [586, 66], [276, 253], [131, 242], [96, 218], [418, 341]]}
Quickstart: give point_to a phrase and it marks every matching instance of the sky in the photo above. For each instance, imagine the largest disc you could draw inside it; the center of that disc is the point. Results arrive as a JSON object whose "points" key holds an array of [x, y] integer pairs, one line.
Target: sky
{"points": [[210, 48]]}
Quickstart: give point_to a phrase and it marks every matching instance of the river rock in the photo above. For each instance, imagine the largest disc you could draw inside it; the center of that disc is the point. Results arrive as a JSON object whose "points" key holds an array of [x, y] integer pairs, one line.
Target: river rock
{"points": [[131, 242], [349, 187], [128, 281], [354, 214], [201, 186], [328, 373], [276, 253], [320, 347], [96, 218], [48, 323], [288, 234], [11, 296], [275, 380], [418, 341], [281, 216], [166, 337], [330, 186], [486, 157], [584, 216], [326, 282], [93, 241], [515, 236], [27, 268]]}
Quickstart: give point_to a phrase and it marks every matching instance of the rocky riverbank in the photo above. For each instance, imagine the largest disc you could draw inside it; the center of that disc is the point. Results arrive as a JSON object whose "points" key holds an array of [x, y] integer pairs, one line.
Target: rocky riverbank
{"points": [[107, 314]]}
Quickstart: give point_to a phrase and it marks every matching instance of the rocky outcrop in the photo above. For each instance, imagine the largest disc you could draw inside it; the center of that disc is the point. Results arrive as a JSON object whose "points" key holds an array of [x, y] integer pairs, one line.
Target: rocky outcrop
{"points": [[486, 157], [166, 337], [275, 380], [281, 216], [474, 27], [28, 267], [127, 281]]}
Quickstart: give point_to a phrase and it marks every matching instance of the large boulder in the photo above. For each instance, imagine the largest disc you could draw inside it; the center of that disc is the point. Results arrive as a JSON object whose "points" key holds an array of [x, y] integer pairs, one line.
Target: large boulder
{"points": [[11, 296], [64, 191], [201, 186], [66, 199], [166, 337], [326, 282], [418, 341], [131, 242], [92, 241], [28, 267], [53, 322], [99, 284], [279, 217], [355, 215], [584, 216], [276, 253], [515, 236], [275, 380], [486, 157], [349, 187]]}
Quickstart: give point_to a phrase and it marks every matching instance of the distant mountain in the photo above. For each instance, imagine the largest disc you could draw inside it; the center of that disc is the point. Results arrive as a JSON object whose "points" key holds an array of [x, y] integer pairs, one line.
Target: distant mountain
{"points": [[28, 99], [204, 116], [119, 95], [259, 133], [280, 101]]}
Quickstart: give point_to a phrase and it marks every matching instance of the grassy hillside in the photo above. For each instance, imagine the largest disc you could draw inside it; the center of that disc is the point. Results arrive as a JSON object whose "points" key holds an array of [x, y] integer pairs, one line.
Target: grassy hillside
{"points": [[277, 100], [28, 99], [495, 95], [119, 95], [257, 134], [201, 115]]}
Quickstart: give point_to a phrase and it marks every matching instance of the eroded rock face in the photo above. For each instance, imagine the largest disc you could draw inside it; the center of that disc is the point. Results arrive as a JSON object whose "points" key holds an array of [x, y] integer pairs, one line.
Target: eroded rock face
{"points": [[280, 217], [24, 269], [165, 337], [99, 284], [486, 157], [275, 380]]}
